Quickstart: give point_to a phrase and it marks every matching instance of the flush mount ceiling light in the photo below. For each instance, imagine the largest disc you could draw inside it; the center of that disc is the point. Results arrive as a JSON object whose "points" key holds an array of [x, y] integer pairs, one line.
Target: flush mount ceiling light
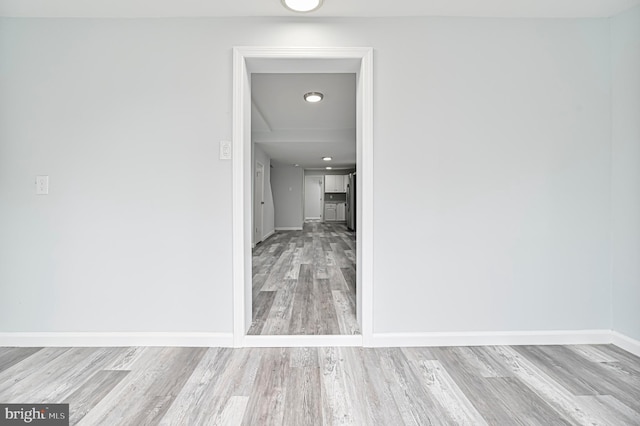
{"points": [[302, 6], [327, 158], [313, 97], [328, 167]]}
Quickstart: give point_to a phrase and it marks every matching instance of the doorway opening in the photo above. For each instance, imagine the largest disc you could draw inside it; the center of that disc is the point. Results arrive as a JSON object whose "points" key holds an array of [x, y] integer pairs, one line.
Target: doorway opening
{"points": [[313, 197], [304, 276], [249, 61]]}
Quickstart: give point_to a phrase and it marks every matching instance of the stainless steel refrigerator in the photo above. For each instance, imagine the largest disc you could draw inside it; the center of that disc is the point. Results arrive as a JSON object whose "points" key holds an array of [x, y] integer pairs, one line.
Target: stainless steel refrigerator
{"points": [[351, 202]]}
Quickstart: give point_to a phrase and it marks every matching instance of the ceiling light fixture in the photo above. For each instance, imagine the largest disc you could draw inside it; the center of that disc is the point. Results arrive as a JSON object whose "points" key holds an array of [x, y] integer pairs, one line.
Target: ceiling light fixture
{"points": [[313, 97], [302, 6], [327, 158], [328, 167]]}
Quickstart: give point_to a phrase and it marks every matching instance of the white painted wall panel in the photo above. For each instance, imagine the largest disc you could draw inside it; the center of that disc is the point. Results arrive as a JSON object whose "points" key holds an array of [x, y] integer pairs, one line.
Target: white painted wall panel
{"points": [[502, 143]]}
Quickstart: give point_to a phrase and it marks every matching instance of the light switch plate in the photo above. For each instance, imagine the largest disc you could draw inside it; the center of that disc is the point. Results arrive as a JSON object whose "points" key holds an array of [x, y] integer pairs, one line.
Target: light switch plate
{"points": [[42, 185], [225, 150]]}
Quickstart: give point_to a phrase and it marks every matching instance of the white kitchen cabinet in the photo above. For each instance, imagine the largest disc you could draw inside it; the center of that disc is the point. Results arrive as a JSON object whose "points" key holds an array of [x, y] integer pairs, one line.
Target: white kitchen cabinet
{"points": [[335, 183], [341, 211], [330, 212], [330, 183]]}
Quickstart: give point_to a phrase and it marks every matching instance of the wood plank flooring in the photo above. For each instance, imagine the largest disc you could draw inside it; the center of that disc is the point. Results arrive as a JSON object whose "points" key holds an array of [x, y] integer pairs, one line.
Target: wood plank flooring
{"points": [[498, 385], [304, 282]]}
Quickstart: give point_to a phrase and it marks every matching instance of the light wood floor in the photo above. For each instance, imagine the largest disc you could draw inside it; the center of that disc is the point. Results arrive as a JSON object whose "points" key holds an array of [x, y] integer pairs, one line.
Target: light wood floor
{"points": [[500, 385], [304, 282]]}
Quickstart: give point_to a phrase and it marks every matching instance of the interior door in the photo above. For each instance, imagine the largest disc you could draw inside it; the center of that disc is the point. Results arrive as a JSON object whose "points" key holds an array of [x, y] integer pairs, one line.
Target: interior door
{"points": [[313, 197], [258, 201]]}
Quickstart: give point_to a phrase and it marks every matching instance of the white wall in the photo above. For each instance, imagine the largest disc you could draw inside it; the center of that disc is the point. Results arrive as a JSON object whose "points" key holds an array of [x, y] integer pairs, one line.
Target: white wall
{"points": [[492, 171], [504, 147], [625, 58], [287, 184], [268, 220]]}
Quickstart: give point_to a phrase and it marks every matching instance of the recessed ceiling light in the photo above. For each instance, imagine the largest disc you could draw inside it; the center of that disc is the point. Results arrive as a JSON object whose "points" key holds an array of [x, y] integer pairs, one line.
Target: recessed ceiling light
{"points": [[313, 97], [328, 167], [296, 165], [302, 6], [327, 158]]}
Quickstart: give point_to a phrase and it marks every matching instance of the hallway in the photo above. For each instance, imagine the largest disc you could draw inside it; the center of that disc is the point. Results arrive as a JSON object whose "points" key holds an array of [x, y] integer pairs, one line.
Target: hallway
{"points": [[304, 282]]}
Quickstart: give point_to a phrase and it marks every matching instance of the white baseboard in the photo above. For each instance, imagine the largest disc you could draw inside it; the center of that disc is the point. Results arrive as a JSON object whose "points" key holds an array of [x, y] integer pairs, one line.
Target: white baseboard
{"points": [[298, 341], [568, 337], [289, 228], [312, 218], [626, 343], [111, 339], [273, 231], [197, 339]]}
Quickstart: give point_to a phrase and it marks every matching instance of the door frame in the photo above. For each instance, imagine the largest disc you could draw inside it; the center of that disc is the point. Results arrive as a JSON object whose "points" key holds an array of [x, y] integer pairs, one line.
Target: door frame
{"points": [[247, 60], [257, 238]]}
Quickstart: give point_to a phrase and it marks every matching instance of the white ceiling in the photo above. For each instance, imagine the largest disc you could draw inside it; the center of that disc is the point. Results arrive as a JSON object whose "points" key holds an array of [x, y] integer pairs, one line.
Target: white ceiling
{"points": [[292, 131], [355, 8]]}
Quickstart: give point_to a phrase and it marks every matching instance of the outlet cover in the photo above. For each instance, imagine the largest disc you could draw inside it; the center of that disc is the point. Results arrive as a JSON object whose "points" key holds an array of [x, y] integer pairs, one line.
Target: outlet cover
{"points": [[225, 150], [42, 185]]}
